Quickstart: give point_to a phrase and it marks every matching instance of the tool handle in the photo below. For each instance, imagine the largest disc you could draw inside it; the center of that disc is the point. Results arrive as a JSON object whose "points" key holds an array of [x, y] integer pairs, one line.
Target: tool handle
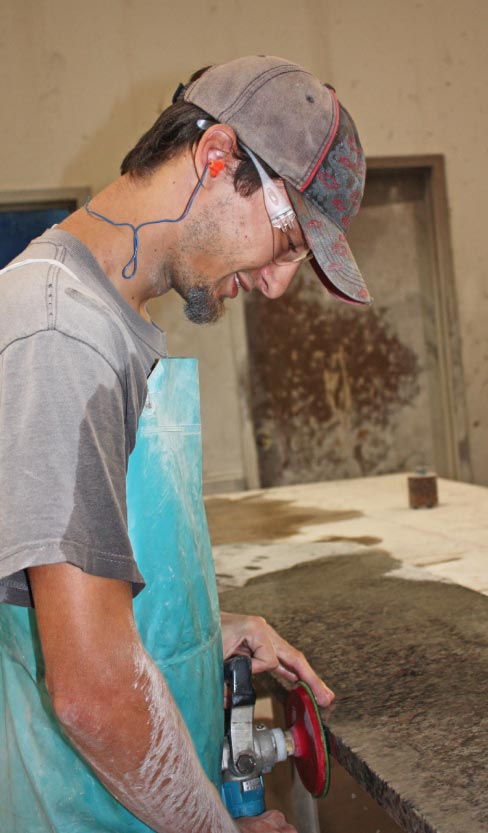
{"points": [[238, 676]]}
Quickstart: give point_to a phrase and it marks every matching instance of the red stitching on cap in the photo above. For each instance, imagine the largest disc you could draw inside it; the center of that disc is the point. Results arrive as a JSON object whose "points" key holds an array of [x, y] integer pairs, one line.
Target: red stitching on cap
{"points": [[328, 180], [339, 248], [348, 163], [327, 147]]}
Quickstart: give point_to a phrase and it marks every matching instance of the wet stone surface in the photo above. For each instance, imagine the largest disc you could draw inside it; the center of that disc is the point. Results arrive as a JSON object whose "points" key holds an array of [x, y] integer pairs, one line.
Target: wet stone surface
{"points": [[255, 519], [408, 661]]}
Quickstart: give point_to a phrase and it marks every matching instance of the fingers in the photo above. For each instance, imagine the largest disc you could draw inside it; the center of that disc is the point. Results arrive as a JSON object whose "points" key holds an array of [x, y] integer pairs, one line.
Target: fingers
{"points": [[270, 822], [252, 636], [279, 656], [294, 665]]}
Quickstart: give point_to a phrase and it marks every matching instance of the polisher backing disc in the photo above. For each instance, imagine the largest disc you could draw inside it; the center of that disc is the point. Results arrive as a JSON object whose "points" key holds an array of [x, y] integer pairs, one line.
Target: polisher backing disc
{"points": [[311, 755]]}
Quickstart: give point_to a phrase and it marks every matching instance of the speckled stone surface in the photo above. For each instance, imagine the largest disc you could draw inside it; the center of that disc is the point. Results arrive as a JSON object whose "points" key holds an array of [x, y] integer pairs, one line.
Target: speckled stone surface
{"points": [[408, 661]]}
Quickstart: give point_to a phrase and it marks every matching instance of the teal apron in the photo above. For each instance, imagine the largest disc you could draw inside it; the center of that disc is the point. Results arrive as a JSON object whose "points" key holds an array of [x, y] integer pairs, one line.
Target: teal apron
{"points": [[44, 784]]}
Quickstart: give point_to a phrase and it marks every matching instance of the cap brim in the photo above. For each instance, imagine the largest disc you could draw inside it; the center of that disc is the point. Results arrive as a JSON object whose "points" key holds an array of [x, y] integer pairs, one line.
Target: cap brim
{"points": [[333, 260]]}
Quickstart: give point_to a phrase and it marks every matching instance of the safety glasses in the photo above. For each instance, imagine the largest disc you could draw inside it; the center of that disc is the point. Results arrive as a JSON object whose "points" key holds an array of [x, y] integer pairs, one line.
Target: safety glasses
{"points": [[289, 245]]}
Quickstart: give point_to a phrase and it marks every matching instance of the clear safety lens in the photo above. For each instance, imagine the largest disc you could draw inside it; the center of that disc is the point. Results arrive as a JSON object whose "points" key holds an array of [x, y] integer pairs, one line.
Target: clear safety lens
{"points": [[290, 246]]}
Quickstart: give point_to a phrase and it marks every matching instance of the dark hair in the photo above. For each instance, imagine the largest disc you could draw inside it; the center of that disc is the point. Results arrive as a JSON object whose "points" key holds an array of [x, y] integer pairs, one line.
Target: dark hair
{"points": [[176, 130]]}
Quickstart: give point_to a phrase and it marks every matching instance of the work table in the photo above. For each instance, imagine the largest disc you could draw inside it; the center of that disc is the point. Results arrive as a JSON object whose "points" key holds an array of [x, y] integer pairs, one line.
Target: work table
{"points": [[360, 582]]}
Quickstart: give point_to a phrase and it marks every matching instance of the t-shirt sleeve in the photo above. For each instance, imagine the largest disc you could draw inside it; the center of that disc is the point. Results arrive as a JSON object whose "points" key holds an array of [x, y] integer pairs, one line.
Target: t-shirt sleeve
{"points": [[63, 462]]}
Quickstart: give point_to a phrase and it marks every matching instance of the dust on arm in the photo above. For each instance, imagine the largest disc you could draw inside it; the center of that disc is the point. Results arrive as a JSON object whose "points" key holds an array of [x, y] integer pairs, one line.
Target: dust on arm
{"points": [[115, 705]]}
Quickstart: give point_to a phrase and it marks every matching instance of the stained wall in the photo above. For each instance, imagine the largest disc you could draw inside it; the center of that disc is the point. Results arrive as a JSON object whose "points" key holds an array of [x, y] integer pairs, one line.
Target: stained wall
{"points": [[80, 82]]}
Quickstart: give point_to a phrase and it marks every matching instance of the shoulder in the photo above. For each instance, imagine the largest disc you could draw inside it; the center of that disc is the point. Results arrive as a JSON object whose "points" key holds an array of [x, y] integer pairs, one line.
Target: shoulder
{"points": [[39, 295], [83, 316]]}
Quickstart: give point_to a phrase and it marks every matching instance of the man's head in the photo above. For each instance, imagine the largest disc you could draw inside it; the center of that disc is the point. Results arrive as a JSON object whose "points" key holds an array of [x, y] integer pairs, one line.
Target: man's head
{"points": [[297, 126], [288, 123]]}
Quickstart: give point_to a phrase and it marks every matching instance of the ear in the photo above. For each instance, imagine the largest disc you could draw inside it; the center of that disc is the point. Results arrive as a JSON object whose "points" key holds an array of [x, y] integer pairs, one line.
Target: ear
{"points": [[216, 146]]}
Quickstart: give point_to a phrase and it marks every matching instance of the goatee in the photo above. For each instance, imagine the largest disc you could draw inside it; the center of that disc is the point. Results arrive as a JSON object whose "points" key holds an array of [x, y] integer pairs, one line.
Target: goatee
{"points": [[202, 307]]}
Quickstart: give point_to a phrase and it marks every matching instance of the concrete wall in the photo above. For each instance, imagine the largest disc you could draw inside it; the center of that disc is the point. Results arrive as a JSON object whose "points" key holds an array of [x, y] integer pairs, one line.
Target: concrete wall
{"points": [[80, 82]]}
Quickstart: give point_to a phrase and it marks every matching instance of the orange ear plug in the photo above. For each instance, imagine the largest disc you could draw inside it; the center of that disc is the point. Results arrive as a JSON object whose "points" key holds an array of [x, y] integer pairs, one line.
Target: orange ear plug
{"points": [[216, 167]]}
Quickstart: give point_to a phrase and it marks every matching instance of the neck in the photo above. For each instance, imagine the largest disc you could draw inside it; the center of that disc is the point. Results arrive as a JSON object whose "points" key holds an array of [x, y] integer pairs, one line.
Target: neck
{"points": [[135, 201]]}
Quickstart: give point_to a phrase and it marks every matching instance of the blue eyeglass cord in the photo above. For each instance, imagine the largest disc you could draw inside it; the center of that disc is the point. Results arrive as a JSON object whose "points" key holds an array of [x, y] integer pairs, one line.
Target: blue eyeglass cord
{"points": [[135, 229]]}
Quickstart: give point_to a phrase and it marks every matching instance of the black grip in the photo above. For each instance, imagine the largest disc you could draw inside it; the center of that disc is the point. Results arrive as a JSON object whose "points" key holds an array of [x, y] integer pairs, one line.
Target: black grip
{"points": [[238, 676]]}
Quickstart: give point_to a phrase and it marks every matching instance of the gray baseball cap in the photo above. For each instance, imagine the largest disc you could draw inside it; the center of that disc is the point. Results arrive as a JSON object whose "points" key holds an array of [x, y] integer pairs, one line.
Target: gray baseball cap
{"points": [[299, 128]]}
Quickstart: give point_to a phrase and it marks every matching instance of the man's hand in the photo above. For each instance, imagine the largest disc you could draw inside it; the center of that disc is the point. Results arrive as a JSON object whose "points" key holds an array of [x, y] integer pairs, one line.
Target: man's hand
{"points": [[271, 822], [252, 636]]}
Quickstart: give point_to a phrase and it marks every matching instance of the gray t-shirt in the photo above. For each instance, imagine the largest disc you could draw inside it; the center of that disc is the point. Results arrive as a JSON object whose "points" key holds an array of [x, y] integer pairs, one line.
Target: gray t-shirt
{"points": [[74, 359]]}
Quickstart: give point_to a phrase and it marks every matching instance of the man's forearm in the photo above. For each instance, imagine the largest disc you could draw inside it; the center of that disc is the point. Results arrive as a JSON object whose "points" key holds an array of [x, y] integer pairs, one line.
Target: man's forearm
{"points": [[140, 749], [116, 706]]}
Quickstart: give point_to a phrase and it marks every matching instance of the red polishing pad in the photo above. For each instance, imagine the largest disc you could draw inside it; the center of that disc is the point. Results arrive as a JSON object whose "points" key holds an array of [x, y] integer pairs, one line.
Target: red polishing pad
{"points": [[311, 756]]}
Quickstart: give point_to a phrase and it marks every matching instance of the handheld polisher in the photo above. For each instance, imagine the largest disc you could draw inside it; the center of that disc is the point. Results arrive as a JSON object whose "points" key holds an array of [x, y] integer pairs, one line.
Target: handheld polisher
{"points": [[253, 749]]}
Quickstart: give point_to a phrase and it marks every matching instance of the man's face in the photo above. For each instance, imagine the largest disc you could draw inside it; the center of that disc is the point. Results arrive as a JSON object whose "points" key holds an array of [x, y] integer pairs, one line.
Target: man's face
{"points": [[225, 246]]}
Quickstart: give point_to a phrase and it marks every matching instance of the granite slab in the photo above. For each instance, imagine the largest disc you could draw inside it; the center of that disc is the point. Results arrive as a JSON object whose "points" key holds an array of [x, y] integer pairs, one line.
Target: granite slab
{"points": [[408, 661]]}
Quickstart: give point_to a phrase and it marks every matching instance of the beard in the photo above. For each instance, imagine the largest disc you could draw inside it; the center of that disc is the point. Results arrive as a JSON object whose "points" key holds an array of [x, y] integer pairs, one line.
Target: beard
{"points": [[202, 306]]}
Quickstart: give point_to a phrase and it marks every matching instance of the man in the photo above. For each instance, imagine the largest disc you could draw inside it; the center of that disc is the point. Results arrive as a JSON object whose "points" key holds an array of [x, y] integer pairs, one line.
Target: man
{"points": [[112, 697]]}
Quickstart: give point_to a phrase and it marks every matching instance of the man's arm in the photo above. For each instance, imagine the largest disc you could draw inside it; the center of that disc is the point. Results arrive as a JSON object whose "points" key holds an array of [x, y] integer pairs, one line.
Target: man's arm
{"points": [[115, 706]]}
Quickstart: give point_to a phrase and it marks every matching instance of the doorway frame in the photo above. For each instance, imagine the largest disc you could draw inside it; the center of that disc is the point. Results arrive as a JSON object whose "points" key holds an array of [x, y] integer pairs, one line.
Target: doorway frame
{"points": [[451, 439]]}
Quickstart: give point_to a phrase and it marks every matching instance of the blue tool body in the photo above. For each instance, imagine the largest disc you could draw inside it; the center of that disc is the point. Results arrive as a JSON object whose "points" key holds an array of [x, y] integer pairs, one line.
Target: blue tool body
{"points": [[244, 798]]}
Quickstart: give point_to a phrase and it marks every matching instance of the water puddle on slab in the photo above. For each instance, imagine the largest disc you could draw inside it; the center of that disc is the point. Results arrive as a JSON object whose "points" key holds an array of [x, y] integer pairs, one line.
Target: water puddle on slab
{"points": [[256, 518]]}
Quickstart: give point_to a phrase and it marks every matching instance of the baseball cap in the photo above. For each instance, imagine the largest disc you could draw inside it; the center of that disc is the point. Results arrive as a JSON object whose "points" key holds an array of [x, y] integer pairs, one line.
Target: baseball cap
{"points": [[296, 124]]}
